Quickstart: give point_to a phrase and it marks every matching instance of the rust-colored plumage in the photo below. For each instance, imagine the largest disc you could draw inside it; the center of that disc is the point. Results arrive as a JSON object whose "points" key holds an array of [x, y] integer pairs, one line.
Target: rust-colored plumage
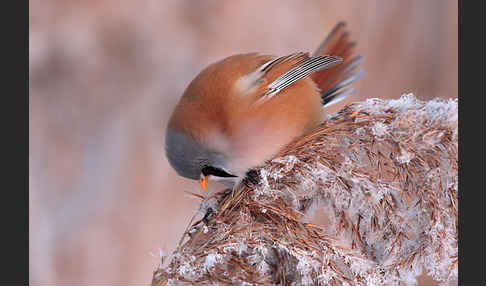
{"points": [[245, 108]]}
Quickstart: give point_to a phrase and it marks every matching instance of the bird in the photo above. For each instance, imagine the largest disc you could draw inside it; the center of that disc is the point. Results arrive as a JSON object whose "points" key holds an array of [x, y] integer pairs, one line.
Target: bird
{"points": [[239, 112]]}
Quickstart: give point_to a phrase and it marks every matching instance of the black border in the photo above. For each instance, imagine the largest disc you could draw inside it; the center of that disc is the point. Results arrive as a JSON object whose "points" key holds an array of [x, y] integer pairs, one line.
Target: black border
{"points": [[471, 24], [15, 128]]}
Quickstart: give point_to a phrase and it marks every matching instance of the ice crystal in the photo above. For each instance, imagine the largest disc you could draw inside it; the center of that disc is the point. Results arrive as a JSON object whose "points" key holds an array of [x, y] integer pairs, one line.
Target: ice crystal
{"points": [[384, 171]]}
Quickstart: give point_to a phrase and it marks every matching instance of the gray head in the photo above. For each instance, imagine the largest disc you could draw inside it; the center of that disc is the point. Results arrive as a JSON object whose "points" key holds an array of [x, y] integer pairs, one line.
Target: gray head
{"points": [[190, 159]]}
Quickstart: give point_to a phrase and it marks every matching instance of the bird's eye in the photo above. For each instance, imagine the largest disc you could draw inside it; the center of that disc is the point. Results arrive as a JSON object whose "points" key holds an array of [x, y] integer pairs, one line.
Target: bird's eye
{"points": [[210, 170]]}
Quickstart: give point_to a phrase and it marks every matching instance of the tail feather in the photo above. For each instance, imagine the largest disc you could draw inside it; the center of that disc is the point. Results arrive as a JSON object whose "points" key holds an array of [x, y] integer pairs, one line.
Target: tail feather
{"points": [[332, 81], [330, 40], [326, 95], [337, 97]]}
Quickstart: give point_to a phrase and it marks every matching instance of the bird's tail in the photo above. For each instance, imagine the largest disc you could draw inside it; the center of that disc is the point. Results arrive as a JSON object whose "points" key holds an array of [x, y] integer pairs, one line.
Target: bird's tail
{"points": [[332, 81]]}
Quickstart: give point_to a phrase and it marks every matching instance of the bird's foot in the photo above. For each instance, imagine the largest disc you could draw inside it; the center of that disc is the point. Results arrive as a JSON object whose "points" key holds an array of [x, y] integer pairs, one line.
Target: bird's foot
{"points": [[209, 214], [252, 178]]}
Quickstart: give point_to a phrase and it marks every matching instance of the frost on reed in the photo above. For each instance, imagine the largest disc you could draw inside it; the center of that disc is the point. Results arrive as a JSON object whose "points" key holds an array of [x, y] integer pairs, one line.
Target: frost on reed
{"points": [[385, 173]]}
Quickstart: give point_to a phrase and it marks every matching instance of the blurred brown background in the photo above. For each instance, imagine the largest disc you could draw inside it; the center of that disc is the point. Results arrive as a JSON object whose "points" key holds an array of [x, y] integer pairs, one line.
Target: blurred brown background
{"points": [[105, 75]]}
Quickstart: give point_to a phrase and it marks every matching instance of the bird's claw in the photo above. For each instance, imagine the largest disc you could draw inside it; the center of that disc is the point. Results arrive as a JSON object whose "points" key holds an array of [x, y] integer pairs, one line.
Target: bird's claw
{"points": [[252, 177]]}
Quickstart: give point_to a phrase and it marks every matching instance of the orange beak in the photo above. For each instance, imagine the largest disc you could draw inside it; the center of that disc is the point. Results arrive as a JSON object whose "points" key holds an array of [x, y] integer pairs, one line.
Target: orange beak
{"points": [[203, 182]]}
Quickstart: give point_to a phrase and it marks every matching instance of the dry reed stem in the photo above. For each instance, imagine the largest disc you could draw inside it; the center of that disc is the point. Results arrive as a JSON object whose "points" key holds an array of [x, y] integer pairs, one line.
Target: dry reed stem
{"points": [[384, 171]]}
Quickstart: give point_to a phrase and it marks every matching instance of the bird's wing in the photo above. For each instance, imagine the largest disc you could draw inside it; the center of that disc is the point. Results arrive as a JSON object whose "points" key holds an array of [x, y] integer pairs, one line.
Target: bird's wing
{"points": [[284, 71]]}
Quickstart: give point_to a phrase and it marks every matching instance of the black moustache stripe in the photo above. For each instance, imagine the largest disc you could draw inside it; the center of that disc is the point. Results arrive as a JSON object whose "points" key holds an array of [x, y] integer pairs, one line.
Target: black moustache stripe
{"points": [[210, 170]]}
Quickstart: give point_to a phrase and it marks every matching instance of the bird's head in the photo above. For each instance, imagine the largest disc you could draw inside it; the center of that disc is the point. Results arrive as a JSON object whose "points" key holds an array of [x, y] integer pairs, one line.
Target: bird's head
{"points": [[197, 160]]}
